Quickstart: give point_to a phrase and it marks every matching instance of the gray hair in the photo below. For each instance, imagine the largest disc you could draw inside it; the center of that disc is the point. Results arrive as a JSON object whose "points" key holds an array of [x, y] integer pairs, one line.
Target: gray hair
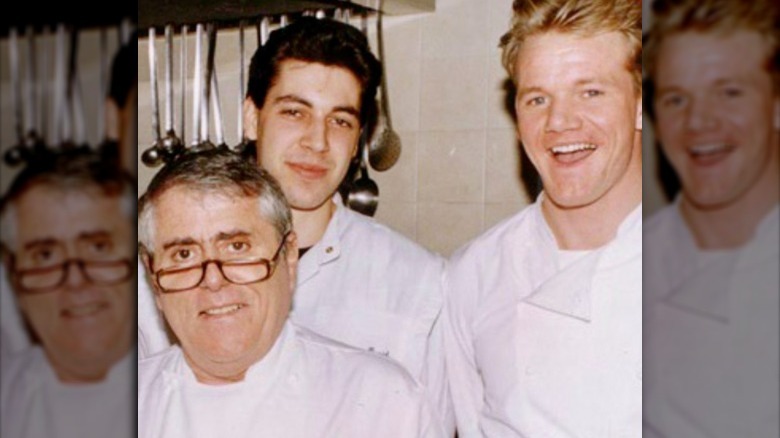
{"points": [[215, 170], [70, 171]]}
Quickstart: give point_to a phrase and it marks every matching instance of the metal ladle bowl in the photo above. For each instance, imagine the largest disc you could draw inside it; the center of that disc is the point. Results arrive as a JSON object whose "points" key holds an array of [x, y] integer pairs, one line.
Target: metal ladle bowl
{"points": [[364, 194]]}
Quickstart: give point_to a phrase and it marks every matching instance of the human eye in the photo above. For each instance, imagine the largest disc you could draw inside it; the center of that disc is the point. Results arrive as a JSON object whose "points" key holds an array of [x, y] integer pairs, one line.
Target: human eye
{"points": [[731, 92], [672, 100], [239, 247], [101, 246], [535, 101], [291, 112], [592, 92], [45, 255], [343, 122], [183, 255]]}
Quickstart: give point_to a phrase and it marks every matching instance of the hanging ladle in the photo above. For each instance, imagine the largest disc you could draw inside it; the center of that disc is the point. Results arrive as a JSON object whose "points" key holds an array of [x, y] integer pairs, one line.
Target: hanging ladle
{"points": [[364, 194], [171, 143], [385, 151], [154, 155]]}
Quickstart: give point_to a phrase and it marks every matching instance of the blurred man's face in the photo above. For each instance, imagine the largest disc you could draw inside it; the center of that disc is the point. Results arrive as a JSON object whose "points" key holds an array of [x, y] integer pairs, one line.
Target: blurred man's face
{"points": [[84, 327], [579, 116], [717, 115], [307, 131], [223, 327]]}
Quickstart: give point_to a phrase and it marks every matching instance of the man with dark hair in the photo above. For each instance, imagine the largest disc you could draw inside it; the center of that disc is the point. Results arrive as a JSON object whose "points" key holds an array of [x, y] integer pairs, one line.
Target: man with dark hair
{"points": [[711, 257], [312, 90], [217, 240], [67, 248]]}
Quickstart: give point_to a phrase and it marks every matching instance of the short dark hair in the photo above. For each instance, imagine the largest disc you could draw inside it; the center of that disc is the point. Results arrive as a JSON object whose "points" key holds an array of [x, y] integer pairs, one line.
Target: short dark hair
{"points": [[219, 170], [324, 41]]}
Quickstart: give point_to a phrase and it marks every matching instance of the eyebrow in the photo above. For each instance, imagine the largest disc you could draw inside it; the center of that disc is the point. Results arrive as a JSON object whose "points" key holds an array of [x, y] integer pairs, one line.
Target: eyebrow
{"points": [[229, 235], [184, 241], [46, 241], [292, 98], [91, 235]]}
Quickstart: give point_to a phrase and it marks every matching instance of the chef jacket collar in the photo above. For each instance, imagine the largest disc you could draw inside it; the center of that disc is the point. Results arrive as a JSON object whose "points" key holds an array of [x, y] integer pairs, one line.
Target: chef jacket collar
{"points": [[701, 290], [567, 291], [329, 246]]}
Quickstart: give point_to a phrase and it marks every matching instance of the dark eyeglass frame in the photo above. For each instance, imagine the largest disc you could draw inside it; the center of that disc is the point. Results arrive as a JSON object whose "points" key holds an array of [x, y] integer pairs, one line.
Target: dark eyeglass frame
{"points": [[19, 274], [269, 263]]}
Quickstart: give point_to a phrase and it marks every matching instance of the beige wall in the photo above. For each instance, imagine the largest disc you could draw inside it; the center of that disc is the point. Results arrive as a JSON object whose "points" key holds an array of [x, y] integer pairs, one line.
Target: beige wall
{"points": [[459, 171]]}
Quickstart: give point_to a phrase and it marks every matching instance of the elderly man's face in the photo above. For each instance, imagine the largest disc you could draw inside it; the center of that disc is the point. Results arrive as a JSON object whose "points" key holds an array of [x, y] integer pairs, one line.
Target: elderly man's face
{"points": [[223, 327], [85, 326], [579, 116], [308, 130], [717, 116]]}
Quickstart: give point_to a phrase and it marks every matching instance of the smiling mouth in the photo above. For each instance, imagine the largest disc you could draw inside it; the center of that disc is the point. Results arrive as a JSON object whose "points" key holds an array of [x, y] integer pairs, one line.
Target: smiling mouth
{"points": [[710, 150], [308, 171], [83, 311], [223, 310], [572, 152]]}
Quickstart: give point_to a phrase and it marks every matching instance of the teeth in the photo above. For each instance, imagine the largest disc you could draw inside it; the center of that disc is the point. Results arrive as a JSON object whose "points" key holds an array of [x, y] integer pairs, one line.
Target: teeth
{"points": [[223, 310], [706, 149], [574, 147], [80, 311]]}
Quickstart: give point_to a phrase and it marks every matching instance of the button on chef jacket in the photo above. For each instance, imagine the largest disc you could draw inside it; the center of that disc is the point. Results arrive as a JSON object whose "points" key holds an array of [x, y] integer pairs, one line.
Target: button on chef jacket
{"points": [[543, 342], [364, 285], [712, 330], [34, 403], [306, 386]]}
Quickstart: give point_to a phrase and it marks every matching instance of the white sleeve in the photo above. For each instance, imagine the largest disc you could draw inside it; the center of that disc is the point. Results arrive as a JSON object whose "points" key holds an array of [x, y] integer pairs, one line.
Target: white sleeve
{"points": [[14, 334], [152, 336]]}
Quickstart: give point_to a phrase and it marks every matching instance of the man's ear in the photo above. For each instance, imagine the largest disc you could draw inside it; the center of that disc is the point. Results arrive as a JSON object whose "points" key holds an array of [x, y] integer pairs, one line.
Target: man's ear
{"points": [[250, 119], [146, 260], [638, 126], [291, 255]]}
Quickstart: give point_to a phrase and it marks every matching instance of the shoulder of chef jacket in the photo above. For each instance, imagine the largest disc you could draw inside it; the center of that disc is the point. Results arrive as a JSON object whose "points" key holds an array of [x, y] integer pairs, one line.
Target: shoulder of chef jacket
{"points": [[14, 334], [306, 385], [525, 331], [34, 403]]}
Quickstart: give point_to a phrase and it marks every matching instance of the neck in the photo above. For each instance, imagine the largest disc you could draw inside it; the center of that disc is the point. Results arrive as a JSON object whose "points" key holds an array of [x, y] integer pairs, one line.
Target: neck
{"points": [[596, 224], [310, 225], [732, 225]]}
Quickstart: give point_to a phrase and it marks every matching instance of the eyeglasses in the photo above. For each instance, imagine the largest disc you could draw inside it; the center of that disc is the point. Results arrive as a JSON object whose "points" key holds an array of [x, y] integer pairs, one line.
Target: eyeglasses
{"points": [[103, 273], [236, 272]]}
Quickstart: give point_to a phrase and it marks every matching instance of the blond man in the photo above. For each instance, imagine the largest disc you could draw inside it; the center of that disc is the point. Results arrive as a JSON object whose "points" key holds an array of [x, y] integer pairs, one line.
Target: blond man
{"points": [[712, 255], [544, 328]]}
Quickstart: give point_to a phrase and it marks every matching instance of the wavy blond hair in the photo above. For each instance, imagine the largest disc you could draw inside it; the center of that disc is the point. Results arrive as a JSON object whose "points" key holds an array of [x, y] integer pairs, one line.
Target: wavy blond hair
{"points": [[582, 17]]}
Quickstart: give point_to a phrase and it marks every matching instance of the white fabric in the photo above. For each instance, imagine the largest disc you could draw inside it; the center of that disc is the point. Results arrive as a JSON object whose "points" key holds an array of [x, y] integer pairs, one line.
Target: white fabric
{"points": [[306, 386], [364, 285], [34, 404], [711, 333], [540, 350], [14, 335]]}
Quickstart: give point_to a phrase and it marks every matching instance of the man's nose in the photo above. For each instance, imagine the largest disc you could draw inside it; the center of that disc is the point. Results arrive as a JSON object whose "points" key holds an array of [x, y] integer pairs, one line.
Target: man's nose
{"points": [[562, 117], [700, 115], [213, 279], [75, 279], [316, 138]]}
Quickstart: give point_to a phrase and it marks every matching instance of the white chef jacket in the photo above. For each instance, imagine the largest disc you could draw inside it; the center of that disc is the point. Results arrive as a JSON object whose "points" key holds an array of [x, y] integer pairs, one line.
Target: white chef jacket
{"points": [[711, 333], [14, 334], [35, 404], [307, 386], [364, 285], [539, 348]]}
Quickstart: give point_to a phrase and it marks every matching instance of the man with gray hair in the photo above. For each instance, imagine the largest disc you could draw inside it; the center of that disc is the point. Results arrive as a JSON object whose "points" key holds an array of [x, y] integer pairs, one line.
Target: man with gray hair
{"points": [[67, 249], [217, 242]]}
